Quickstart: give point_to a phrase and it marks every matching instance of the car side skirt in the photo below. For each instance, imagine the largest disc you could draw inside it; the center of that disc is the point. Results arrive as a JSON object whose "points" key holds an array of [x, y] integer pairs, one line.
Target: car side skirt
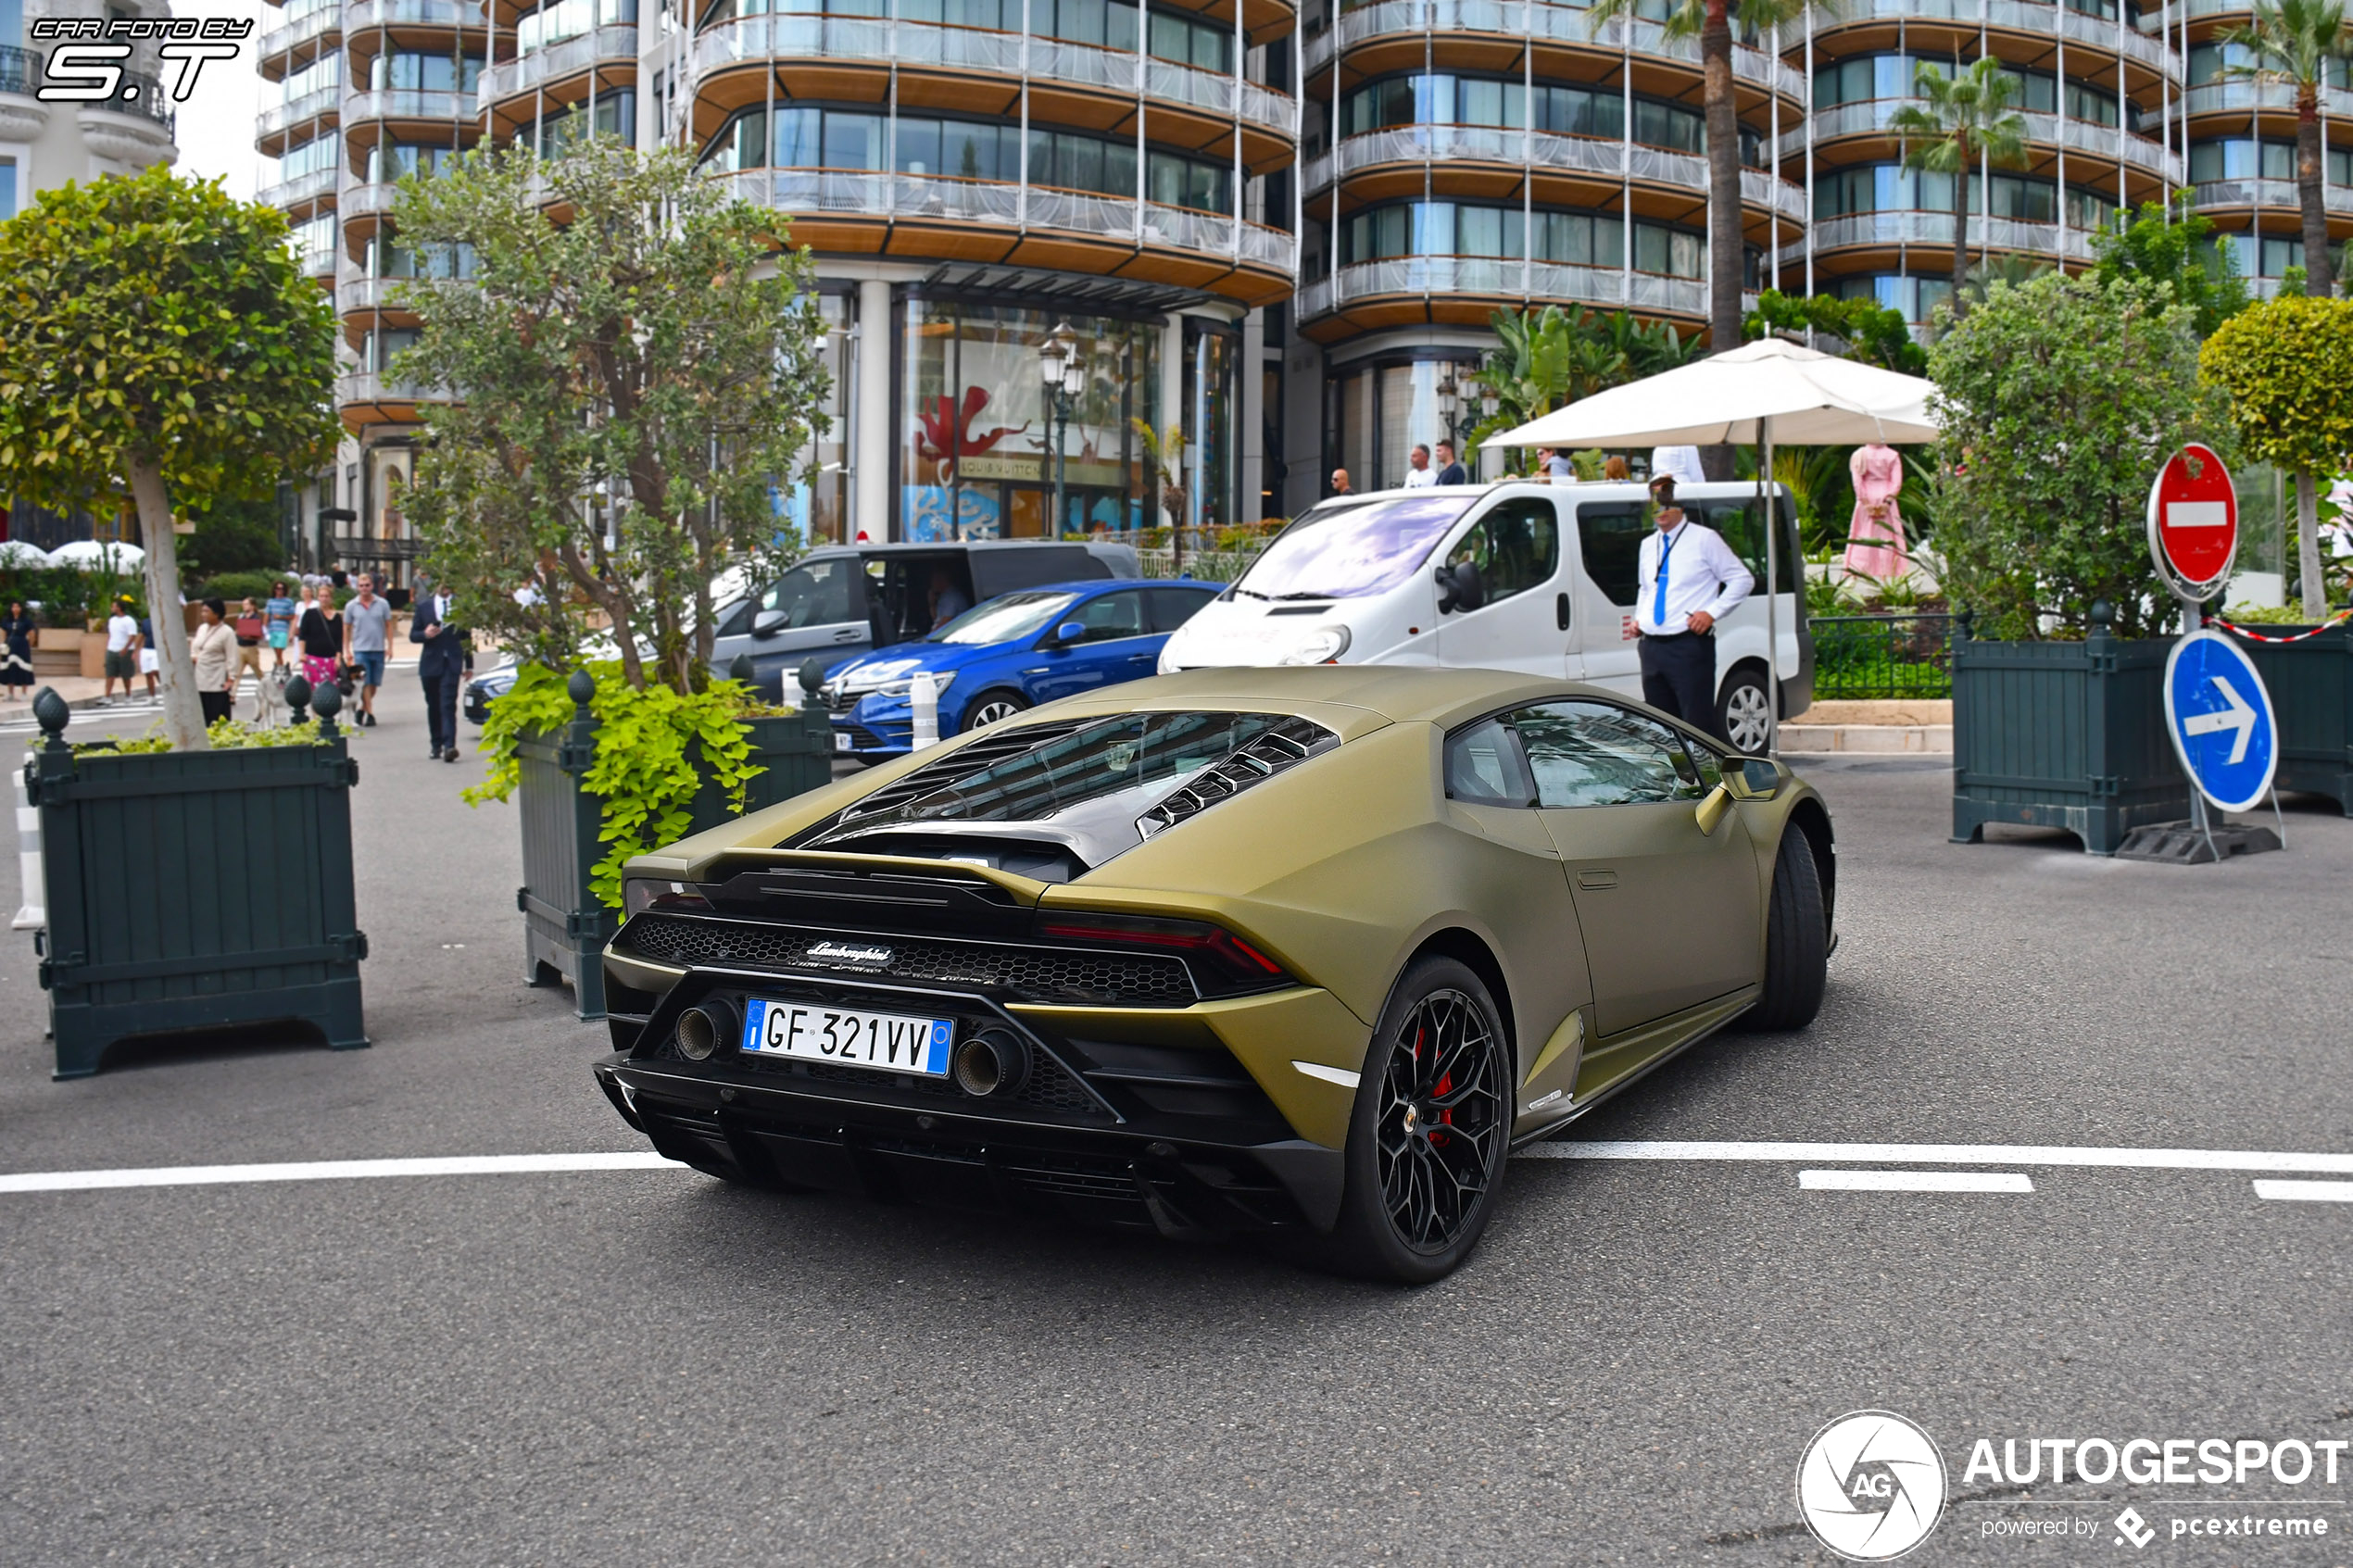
{"points": [[1620, 1060]]}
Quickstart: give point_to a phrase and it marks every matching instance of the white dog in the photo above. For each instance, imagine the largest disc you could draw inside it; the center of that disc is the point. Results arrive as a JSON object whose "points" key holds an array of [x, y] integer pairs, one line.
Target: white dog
{"points": [[269, 698]]}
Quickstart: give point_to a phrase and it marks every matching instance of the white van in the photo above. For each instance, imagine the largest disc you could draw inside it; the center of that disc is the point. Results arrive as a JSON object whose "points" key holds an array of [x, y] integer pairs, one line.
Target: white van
{"points": [[1520, 575]]}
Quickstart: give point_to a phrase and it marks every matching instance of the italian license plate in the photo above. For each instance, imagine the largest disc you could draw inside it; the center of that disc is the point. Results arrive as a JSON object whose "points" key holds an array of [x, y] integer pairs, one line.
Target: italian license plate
{"points": [[891, 1042], [841, 740]]}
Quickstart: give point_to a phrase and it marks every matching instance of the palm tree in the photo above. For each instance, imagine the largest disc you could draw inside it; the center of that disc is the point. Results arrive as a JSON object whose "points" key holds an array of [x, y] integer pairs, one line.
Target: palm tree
{"points": [[1967, 118], [1712, 21], [2295, 40]]}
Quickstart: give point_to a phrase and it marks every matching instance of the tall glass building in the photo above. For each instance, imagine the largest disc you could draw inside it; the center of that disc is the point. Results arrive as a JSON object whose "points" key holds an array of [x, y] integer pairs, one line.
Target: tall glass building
{"points": [[1278, 228]]}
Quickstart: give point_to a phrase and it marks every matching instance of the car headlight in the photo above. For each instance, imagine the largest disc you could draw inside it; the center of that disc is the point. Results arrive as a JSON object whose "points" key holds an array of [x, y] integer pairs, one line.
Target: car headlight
{"points": [[1323, 646], [939, 684]]}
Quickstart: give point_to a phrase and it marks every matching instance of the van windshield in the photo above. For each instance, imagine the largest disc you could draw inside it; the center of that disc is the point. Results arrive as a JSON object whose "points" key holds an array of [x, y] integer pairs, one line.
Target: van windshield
{"points": [[1357, 552]]}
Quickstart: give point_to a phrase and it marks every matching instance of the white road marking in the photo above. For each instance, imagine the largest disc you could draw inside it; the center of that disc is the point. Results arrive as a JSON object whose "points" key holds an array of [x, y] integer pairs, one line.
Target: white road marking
{"points": [[1957, 1154], [1913, 1181], [331, 1169], [2305, 1192]]}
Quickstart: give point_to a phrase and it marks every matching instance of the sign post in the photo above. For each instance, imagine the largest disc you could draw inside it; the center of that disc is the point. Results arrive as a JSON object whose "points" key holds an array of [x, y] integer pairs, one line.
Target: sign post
{"points": [[2216, 709]]}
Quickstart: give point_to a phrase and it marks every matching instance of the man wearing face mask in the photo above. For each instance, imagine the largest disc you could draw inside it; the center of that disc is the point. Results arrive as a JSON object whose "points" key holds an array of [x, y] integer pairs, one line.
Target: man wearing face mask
{"points": [[1688, 580]]}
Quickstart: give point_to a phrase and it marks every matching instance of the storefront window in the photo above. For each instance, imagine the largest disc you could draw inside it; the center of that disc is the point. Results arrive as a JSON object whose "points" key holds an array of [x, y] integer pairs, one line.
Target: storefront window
{"points": [[1210, 359], [975, 434], [818, 505]]}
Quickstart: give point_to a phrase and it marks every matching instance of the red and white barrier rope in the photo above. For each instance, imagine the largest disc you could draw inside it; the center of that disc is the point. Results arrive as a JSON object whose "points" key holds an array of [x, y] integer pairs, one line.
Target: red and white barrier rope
{"points": [[2253, 637]]}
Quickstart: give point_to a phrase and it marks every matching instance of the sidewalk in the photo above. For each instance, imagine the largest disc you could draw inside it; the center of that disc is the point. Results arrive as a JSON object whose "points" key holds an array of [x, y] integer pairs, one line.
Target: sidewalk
{"points": [[85, 692], [1906, 725]]}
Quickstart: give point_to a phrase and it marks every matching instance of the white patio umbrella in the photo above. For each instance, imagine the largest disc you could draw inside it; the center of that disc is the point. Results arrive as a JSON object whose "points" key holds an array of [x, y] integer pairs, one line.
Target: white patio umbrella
{"points": [[1756, 395], [16, 555], [99, 554]]}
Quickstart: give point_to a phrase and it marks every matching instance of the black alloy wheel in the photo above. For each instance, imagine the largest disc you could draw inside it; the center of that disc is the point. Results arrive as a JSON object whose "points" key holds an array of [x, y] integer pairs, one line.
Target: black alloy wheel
{"points": [[1745, 711], [990, 707], [1431, 1129]]}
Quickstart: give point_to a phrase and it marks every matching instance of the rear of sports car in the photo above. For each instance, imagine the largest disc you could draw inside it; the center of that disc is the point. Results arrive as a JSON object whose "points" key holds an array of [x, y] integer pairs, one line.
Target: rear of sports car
{"points": [[907, 986]]}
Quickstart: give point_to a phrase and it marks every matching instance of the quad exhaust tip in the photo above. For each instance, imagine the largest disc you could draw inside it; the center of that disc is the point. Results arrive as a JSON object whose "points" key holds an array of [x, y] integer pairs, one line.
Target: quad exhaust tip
{"points": [[991, 1062], [705, 1028]]}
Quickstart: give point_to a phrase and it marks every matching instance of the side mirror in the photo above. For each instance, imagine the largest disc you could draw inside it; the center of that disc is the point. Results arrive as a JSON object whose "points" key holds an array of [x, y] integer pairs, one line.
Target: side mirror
{"points": [[1712, 809], [1070, 632], [1751, 778], [768, 622], [1460, 587]]}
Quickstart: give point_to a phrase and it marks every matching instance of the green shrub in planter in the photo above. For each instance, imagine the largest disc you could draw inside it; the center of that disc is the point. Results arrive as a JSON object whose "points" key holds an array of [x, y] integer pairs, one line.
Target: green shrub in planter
{"points": [[140, 942]]}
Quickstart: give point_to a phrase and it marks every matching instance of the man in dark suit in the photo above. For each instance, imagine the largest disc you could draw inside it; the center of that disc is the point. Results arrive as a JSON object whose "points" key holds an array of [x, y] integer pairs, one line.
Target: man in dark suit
{"points": [[441, 667]]}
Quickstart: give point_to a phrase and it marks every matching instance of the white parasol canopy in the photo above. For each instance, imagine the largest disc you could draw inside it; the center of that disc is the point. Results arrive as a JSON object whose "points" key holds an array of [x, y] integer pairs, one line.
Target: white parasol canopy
{"points": [[1809, 398], [99, 554], [17, 555]]}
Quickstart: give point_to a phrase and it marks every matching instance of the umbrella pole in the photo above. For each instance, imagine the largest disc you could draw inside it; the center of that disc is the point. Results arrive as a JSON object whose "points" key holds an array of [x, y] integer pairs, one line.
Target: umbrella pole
{"points": [[1765, 499]]}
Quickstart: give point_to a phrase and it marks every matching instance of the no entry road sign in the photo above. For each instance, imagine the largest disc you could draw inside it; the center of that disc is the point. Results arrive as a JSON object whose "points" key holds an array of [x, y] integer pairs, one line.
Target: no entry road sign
{"points": [[2194, 522], [2221, 720]]}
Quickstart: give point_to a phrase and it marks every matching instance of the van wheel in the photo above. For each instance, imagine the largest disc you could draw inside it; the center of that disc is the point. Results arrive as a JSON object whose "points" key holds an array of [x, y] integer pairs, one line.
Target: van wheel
{"points": [[1745, 711], [1797, 946], [990, 708]]}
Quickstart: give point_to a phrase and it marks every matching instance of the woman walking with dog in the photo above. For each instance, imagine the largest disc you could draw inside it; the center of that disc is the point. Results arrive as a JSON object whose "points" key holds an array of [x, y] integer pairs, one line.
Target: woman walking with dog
{"points": [[321, 630]]}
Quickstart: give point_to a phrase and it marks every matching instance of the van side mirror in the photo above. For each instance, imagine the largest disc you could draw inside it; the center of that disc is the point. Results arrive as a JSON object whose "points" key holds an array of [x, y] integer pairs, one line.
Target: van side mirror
{"points": [[1460, 587], [768, 622]]}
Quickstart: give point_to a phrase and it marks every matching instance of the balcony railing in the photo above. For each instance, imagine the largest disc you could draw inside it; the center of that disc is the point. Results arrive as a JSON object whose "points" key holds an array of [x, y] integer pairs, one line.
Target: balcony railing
{"points": [[2018, 16], [512, 78], [1493, 279], [20, 70], [300, 190], [1556, 24], [1871, 118], [278, 119], [372, 293], [1934, 231], [828, 192], [307, 28], [408, 103], [365, 14], [2273, 193], [2241, 96], [968, 48], [383, 386], [1544, 149], [367, 201], [318, 261]]}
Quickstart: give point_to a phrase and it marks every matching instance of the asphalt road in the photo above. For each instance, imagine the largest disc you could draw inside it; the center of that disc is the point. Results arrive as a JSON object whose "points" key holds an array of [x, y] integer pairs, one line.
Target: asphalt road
{"points": [[646, 1367]]}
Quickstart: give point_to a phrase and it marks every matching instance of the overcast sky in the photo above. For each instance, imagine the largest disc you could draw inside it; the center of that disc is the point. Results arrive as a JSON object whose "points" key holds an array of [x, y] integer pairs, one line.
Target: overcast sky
{"points": [[216, 123]]}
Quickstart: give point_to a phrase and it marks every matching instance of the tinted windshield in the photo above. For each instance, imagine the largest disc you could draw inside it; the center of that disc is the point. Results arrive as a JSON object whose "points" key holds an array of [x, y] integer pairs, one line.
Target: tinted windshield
{"points": [[1007, 618], [1363, 550]]}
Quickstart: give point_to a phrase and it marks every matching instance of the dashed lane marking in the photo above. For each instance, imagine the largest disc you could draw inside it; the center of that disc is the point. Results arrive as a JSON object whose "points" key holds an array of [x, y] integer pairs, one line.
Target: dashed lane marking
{"points": [[1914, 1181], [2305, 1192], [1957, 1154], [331, 1169]]}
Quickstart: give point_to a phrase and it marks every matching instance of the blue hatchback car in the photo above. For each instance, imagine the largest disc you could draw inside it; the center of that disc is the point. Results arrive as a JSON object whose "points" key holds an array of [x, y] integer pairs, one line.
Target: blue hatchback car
{"points": [[1009, 653]]}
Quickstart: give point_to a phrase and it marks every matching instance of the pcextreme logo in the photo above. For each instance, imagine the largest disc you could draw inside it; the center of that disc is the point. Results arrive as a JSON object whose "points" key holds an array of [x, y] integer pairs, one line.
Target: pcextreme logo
{"points": [[90, 69], [1870, 1486]]}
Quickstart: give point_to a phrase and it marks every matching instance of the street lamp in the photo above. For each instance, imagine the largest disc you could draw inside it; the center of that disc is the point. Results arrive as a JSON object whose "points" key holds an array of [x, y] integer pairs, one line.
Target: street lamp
{"points": [[1450, 402], [1064, 377]]}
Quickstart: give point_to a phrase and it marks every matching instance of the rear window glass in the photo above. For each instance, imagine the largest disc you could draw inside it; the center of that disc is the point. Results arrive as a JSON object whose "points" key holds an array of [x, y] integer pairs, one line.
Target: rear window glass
{"points": [[1611, 533]]}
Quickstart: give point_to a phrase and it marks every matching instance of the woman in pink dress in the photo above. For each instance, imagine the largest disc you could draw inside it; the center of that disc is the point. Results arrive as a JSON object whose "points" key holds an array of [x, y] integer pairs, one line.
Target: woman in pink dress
{"points": [[1875, 535]]}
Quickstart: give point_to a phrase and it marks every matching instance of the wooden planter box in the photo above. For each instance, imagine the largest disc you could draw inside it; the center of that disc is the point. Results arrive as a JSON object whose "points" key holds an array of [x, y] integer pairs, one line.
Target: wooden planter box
{"points": [[189, 890], [565, 926], [2312, 687], [2064, 736]]}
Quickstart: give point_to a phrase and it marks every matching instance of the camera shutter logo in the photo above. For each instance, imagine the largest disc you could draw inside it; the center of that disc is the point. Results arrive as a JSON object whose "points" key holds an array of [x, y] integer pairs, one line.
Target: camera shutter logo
{"points": [[1871, 1485]]}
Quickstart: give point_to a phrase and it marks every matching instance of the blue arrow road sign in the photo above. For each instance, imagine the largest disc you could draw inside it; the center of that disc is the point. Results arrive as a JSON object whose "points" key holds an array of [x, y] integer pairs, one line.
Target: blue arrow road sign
{"points": [[2221, 722]]}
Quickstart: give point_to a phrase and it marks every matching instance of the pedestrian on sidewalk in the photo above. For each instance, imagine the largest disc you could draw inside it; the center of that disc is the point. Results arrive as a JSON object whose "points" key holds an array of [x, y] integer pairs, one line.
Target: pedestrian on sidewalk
{"points": [[441, 667], [321, 630], [147, 666], [214, 651], [280, 615], [122, 651], [249, 628], [15, 665], [366, 621]]}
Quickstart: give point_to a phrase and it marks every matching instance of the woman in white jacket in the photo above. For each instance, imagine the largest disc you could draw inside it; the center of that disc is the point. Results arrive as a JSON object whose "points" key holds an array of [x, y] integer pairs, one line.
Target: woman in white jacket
{"points": [[213, 648]]}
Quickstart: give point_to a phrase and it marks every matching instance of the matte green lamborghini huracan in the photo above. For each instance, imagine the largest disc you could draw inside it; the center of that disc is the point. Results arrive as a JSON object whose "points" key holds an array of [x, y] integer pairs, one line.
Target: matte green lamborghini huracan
{"points": [[1297, 949]]}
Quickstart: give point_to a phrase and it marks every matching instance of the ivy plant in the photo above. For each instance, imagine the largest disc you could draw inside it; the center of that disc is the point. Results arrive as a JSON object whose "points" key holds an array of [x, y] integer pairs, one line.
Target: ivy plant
{"points": [[2285, 364], [656, 747]]}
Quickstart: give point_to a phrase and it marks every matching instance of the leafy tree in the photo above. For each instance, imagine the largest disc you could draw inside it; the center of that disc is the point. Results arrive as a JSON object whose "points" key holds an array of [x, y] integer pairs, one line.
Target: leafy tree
{"points": [[2285, 364], [2296, 42], [1712, 22], [1547, 358], [2058, 401], [636, 377], [159, 337], [237, 534], [1871, 332], [1966, 120], [2174, 253]]}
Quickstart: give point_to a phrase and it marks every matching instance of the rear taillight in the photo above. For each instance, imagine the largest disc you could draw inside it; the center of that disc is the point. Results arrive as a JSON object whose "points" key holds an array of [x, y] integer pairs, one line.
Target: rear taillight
{"points": [[1223, 963], [640, 894]]}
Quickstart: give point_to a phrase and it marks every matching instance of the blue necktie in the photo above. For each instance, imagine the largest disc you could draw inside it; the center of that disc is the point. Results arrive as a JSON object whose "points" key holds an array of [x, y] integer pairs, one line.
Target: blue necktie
{"points": [[1658, 605]]}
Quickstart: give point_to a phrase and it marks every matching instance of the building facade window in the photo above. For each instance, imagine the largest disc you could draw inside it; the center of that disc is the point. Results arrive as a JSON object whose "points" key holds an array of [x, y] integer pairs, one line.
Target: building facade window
{"points": [[1170, 35], [1914, 298], [379, 347], [1872, 78], [552, 23], [389, 161], [615, 115], [314, 242], [1888, 187], [319, 76], [424, 73], [307, 157], [2243, 157], [1503, 102], [1577, 239], [976, 443], [7, 189], [2207, 63]]}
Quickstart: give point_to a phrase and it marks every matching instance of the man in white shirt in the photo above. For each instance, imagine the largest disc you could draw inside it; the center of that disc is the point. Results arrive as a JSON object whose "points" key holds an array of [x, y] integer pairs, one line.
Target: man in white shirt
{"points": [[1421, 475], [1686, 579], [122, 651]]}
